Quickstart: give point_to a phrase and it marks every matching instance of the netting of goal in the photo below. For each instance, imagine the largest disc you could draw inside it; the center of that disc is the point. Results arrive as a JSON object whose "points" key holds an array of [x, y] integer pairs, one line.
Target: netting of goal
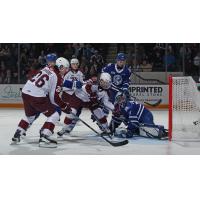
{"points": [[184, 109]]}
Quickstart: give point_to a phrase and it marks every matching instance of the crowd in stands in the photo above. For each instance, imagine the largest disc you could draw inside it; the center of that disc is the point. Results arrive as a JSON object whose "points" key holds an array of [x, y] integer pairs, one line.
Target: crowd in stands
{"points": [[32, 57], [165, 57], [141, 57]]}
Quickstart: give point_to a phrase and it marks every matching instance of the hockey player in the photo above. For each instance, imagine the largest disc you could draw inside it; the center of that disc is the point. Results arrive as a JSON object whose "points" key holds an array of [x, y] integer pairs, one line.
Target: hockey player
{"points": [[89, 96], [139, 120], [120, 74], [63, 65], [41, 95], [73, 79]]}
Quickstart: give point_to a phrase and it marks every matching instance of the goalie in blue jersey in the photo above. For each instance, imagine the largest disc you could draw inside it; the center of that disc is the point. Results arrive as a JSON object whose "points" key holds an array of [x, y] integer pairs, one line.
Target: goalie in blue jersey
{"points": [[138, 119]]}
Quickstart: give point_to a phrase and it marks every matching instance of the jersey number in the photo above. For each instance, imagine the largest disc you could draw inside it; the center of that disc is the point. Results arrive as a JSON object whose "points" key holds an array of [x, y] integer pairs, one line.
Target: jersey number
{"points": [[40, 79]]}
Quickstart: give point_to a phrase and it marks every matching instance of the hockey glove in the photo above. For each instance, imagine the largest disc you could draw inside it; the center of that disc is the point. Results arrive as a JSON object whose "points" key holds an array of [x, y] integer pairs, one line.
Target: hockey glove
{"points": [[66, 109], [94, 101], [77, 84], [116, 112]]}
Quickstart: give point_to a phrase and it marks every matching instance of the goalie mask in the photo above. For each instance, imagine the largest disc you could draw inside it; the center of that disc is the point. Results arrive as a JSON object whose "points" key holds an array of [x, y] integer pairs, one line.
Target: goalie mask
{"points": [[105, 81], [121, 99]]}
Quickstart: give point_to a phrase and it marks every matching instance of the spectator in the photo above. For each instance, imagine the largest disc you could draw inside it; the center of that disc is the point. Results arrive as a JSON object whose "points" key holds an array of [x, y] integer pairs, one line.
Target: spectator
{"points": [[93, 70], [136, 66], [121, 47], [3, 72], [88, 51], [170, 61], [145, 66], [97, 61], [196, 62], [157, 61], [8, 77], [31, 72], [131, 55], [68, 51], [84, 67], [77, 50], [42, 59]]}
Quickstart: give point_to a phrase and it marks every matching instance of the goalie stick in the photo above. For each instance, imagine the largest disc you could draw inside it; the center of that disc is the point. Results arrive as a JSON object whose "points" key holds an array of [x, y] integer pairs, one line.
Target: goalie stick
{"points": [[113, 143], [133, 98]]}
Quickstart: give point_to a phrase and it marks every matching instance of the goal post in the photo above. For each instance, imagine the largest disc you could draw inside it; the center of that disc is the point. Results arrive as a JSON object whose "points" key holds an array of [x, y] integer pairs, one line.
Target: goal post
{"points": [[184, 109], [170, 109]]}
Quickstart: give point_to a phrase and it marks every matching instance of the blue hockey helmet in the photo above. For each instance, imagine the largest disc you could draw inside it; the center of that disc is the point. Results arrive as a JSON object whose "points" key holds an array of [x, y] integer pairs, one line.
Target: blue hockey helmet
{"points": [[52, 57], [121, 57]]}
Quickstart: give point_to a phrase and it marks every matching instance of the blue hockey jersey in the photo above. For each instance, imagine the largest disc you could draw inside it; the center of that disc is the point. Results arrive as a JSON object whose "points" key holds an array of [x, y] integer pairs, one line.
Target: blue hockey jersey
{"points": [[135, 113], [120, 78]]}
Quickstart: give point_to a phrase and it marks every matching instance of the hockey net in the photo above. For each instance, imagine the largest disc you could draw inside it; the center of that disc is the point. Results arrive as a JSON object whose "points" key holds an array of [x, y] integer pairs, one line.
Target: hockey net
{"points": [[184, 109]]}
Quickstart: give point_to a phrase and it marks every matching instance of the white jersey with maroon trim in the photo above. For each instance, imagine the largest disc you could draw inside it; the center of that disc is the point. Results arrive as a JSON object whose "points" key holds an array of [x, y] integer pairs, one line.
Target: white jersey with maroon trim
{"points": [[46, 83], [73, 76], [88, 89]]}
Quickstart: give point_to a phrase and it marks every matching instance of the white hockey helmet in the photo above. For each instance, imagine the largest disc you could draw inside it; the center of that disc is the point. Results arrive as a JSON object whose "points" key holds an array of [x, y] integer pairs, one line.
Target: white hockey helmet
{"points": [[62, 62], [105, 80], [74, 61]]}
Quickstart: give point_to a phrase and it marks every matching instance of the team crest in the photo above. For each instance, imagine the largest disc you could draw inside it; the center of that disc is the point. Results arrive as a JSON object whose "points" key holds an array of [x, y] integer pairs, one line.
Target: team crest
{"points": [[117, 79]]}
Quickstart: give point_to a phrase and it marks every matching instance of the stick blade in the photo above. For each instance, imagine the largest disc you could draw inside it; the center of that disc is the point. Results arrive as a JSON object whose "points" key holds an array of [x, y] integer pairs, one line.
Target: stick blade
{"points": [[120, 143]]}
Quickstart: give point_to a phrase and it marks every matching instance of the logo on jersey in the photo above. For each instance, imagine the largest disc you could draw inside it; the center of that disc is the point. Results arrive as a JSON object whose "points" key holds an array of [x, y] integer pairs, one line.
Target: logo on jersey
{"points": [[117, 80]]}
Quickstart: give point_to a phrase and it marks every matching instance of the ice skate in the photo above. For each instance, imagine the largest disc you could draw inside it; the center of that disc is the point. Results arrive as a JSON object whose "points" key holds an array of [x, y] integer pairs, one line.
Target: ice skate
{"points": [[47, 141], [18, 136]]}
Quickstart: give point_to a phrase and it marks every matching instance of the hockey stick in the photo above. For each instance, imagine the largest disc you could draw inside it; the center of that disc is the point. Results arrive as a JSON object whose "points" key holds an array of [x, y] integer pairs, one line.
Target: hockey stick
{"points": [[133, 98], [153, 104], [148, 80], [100, 126], [113, 143]]}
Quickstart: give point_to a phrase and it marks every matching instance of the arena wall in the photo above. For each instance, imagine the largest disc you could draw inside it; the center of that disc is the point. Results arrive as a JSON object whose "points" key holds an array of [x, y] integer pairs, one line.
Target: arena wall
{"points": [[10, 95]]}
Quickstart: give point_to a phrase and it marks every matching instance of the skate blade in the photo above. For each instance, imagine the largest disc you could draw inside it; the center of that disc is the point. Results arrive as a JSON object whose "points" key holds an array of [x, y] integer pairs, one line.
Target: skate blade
{"points": [[69, 137], [15, 143], [47, 145]]}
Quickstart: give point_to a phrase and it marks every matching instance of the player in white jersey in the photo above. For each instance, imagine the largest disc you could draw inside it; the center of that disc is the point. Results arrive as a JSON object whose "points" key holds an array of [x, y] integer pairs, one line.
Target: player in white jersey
{"points": [[90, 96], [74, 80], [41, 95], [74, 77]]}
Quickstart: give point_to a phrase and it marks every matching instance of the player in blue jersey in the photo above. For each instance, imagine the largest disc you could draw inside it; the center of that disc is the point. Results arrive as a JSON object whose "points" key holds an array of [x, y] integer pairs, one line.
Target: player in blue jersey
{"points": [[120, 75], [138, 119]]}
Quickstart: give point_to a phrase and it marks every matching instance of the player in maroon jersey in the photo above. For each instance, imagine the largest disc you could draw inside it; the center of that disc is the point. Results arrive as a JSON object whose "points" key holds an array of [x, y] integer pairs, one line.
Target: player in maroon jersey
{"points": [[41, 95]]}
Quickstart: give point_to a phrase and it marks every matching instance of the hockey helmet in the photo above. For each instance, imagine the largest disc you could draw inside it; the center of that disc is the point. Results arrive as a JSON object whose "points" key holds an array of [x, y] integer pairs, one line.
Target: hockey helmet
{"points": [[105, 80], [74, 61], [121, 57], [62, 62], [51, 57]]}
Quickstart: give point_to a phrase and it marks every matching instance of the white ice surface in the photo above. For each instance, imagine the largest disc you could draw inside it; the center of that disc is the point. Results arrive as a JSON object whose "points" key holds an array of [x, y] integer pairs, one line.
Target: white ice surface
{"points": [[86, 142]]}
